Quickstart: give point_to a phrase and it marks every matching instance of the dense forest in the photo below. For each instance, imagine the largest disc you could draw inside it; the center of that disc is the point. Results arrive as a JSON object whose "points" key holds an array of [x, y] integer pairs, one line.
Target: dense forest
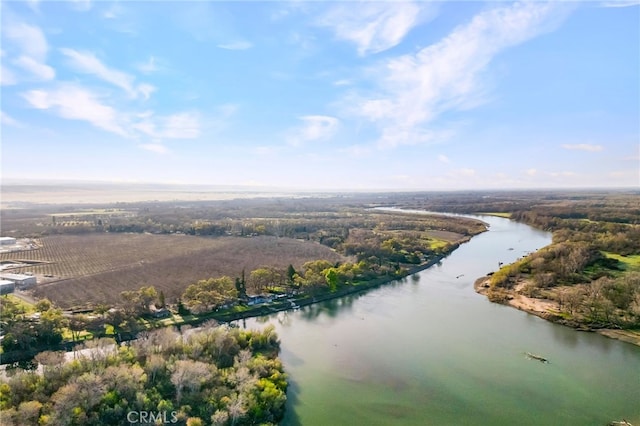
{"points": [[216, 376], [591, 269]]}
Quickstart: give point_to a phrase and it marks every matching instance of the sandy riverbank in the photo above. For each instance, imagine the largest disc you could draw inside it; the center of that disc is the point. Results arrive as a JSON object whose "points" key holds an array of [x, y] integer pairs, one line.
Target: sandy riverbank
{"points": [[548, 310]]}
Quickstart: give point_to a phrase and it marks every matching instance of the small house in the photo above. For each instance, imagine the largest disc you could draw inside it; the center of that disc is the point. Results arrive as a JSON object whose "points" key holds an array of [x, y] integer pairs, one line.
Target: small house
{"points": [[21, 281], [159, 312], [7, 286]]}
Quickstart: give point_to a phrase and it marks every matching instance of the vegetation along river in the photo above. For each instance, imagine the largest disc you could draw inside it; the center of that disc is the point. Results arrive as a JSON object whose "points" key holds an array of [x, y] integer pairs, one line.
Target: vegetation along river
{"points": [[429, 350]]}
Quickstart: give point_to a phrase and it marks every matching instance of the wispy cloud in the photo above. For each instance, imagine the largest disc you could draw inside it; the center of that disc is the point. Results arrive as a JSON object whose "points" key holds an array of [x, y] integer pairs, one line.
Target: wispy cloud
{"points": [[393, 137], [583, 147], [563, 174], [30, 39], [155, 147], [465, 172], [7, 77], [87, 62], [236, 45], [443, 159], [33, 47], [37, 69], [620, 3], [263, 151], [184, 125], [357, 151], [531, 172], [81, 5], [7, 120], [372, 27], [148, 67], [34, 5], [76, 103], [314, 128], [114, 11], [411, 91]]}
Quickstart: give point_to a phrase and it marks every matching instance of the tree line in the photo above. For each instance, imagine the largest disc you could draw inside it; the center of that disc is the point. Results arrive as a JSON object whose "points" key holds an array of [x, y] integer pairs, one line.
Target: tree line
{"points": [[214, 376]]}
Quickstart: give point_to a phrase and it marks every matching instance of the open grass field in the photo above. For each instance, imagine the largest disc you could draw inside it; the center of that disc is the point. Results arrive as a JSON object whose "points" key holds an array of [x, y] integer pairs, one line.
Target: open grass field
{"points": [[95, 268], [28, 308], [630, 263], [498, 214]]}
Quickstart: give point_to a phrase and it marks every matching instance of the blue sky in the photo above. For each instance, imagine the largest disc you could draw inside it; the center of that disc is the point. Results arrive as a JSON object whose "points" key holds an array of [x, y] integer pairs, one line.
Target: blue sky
{"points": [[323, 95]]}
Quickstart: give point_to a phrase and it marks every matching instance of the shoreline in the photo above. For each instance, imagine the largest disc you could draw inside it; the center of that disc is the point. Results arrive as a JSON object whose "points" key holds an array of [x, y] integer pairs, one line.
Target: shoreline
{"points": [[310, 299], [254, 312], [540, 308]]}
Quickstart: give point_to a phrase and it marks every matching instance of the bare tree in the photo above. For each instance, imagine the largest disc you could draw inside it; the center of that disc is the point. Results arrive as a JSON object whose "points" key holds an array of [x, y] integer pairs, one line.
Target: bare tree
{"points": [[189, 375], [220, 418], [237, 408]]}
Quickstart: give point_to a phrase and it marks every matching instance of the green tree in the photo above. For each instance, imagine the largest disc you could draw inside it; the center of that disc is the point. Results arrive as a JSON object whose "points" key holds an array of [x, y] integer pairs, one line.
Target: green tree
{"points": [[206, 295], [43, 305], [50, 327], [291, 273], [331, 275], [77, 324]]}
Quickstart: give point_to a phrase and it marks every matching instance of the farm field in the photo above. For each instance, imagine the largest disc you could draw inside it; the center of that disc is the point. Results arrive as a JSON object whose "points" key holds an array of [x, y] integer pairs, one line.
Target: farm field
{"points": [[95, 268]]}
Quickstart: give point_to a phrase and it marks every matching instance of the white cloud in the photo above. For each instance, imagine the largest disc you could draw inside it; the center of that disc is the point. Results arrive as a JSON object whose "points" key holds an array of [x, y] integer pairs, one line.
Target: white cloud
{"points": [[357, 151], [145, 90], [34, 5], [30, 41], [314, 128], [531, 172], [76, 103], [148, 67], [563, 174], [411, 91], [265, 150], [114, 11], [184, 125], [7, 120], [88, 63], [620, 3], [372, 27], [443, 159], [583, 147], [236, 45], [39, 70], [466, 172], [393, 137], [155, 147], [81, 5], [7, 77]]}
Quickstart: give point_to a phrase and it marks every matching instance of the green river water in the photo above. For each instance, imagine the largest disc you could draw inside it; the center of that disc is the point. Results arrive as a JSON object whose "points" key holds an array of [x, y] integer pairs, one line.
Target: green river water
{"points": [[428, 350]]}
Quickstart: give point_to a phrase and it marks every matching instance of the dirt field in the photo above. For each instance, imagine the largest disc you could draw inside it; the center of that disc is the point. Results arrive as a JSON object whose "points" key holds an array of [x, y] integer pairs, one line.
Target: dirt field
{"points": [[95, 268]]}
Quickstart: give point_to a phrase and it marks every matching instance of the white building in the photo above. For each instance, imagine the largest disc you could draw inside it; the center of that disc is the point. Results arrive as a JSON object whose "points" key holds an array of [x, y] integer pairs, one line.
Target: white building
{"points": [[21, 281], [7, 286], [7, 241]]}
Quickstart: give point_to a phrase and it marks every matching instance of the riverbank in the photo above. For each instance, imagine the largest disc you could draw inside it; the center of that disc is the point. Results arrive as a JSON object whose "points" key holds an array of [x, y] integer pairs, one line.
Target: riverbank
{"points": [[308, 299], [239, 312], [550, 311]]}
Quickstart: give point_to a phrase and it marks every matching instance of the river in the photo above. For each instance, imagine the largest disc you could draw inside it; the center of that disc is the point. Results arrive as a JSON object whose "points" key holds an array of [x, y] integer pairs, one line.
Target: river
{"points": [[429, 350]]}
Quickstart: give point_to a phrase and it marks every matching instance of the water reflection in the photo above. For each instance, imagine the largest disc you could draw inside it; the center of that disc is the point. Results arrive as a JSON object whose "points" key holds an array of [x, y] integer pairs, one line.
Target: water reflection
{"points": [[569, 339], [291, 416], [433, 351], [330, 307]]}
